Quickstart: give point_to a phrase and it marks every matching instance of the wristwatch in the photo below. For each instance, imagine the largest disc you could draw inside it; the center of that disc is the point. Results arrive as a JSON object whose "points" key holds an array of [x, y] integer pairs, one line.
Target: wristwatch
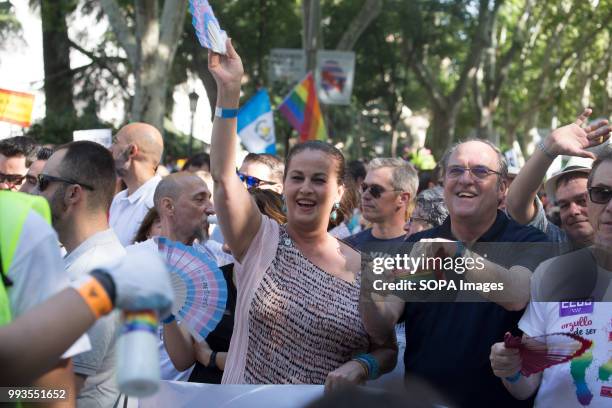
{"points": [[226, 113]]}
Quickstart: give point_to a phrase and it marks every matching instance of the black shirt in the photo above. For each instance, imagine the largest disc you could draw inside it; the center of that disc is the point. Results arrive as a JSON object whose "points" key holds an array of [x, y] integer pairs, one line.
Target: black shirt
{"points": [[448, 344], [359, 240], [219, 338]]}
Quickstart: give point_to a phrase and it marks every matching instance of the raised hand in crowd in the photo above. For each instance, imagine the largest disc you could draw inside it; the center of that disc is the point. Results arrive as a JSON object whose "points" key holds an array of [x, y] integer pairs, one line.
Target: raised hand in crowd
{"points": [[573, 139]]}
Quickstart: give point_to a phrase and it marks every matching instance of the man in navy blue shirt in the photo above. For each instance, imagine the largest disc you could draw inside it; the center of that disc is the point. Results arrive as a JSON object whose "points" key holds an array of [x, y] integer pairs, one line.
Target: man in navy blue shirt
{"points": [[448, 344], [388, 195]]}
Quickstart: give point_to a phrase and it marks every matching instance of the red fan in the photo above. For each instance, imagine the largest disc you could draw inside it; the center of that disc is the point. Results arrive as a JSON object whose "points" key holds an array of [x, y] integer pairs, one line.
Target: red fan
{"points": [[541, 352]]}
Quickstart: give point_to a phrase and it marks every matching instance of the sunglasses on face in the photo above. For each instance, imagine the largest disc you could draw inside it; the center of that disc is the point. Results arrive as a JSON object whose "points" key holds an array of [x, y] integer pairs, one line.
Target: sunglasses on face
{"points": [[375, 190], [253, 182], [11, 179], [44, 180], [600, 195], [479, 172]]}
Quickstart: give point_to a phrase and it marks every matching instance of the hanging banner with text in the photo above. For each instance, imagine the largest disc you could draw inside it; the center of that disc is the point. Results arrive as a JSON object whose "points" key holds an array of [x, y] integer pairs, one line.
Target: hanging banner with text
{"points": [[287, 65], [334, 76], [16, 107]]}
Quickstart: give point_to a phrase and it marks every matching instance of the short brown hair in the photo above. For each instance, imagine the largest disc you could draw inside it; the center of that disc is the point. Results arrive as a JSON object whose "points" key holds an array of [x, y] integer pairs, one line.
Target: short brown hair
{"points": [[275, 164]]}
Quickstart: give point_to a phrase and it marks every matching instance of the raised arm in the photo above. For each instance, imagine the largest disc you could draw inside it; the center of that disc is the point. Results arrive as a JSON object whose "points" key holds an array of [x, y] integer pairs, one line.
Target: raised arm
{"points": [[569, 140], [238, 215]]}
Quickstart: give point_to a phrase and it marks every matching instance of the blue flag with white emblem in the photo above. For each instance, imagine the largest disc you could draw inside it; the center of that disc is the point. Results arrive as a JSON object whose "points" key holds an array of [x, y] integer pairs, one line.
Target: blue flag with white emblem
{"points": [[256, 124]]}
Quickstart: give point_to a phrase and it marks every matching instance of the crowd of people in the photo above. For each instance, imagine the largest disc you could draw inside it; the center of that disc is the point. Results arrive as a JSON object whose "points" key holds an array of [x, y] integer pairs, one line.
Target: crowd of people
{"points": [[290, 237]]}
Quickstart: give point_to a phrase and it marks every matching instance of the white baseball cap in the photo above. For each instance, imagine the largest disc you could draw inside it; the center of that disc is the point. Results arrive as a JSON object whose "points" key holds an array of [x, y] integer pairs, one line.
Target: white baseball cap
{"points": [[575, 164]]}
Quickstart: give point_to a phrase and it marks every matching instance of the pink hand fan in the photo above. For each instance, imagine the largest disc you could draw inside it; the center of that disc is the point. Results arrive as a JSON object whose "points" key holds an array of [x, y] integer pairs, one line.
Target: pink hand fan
{"points": [[207, 27], [200, 289], [541, 352]]}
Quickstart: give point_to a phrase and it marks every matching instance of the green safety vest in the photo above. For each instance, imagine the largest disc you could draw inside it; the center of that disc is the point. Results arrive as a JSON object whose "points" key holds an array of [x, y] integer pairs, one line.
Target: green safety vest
{"points": [[14, 210]]}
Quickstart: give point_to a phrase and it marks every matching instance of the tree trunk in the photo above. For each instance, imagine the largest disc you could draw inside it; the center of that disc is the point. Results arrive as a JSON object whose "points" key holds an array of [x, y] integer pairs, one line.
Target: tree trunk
{"points": [[443, 131], [445, 106], [150, 47], [368, 13], [56, 55]]}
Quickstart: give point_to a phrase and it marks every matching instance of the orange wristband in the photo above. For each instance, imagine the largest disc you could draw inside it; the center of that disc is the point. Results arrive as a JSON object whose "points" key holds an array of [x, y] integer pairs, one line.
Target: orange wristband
{"points": [[95, 296]]}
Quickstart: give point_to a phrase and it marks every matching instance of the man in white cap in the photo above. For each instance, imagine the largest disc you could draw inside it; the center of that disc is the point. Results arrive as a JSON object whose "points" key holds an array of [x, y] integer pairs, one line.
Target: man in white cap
{"points": [[567, 188]]}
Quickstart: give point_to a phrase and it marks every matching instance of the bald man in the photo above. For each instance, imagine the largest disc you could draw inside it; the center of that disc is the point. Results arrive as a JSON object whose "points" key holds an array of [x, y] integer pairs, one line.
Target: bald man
{"points": [[182, 201], [137, 149]]}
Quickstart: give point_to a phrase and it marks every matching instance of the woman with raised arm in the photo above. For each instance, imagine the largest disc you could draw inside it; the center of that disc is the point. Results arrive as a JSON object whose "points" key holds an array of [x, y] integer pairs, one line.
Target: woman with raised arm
{"points": [[297, 317]]}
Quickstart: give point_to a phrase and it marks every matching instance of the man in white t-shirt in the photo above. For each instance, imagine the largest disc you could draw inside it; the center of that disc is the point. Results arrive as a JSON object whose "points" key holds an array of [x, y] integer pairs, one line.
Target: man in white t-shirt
{"points": [[78, 180], [182, 201], [584, 278], [137, 149]]}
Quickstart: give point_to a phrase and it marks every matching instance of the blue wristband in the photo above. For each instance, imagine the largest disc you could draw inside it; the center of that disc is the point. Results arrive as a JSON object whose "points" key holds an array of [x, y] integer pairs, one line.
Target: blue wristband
{"points": [[169, 319], [371, 363], [226, 113], [514, 378]]}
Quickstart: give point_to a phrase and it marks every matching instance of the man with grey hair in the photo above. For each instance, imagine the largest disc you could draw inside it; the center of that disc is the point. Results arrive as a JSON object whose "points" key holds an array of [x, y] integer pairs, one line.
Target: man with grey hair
{"points": [[182, 201], [474, 184], [388, 194]]}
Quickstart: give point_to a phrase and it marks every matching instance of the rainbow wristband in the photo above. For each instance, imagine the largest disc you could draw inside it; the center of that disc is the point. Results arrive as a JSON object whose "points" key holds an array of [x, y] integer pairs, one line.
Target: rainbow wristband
{"points": [[514, 378]]}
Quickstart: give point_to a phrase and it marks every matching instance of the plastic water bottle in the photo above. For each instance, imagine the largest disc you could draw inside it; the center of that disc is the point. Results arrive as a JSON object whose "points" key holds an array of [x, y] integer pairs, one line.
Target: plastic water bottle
{"points": [[137, 355]]}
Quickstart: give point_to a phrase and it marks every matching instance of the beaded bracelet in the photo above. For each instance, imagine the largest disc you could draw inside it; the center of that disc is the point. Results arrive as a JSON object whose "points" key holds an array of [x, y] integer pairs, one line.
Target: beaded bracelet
{"points": [[544, 150]]}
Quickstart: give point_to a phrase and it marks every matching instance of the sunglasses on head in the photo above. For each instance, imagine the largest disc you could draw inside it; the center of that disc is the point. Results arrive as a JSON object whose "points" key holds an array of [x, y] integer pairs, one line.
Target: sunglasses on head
{"points": [[252, 182], [480, 172], [375, 190], [12, 179], [44, 180], [600, 194]]}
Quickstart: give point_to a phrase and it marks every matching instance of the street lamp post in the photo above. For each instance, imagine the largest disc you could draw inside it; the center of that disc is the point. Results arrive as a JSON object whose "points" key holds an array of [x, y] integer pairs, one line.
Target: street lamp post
{"points": [[193, 104]]}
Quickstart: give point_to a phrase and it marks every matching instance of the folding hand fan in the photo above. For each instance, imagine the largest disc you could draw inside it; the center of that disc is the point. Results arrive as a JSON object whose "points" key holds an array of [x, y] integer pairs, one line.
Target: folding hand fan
{"points": [[207, 27], [200, 289], [541, 352]]}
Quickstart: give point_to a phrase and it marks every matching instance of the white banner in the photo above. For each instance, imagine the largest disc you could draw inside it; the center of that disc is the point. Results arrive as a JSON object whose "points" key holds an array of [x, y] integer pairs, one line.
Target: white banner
{"points": [[335, 74], [287, 65]]}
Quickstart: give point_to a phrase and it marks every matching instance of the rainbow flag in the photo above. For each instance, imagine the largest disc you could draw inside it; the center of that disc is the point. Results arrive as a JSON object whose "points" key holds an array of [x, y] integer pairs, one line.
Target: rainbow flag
{"points": [[301, 108]]}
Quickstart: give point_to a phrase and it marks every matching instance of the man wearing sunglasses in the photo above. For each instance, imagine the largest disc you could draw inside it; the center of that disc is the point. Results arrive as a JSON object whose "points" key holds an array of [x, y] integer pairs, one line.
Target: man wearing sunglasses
{"points": [[448, 343], [585, 278], [387, 197], [31, 179], [258, 170], [566, 188], [78, 181], [16, 155], [262, 171]]}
